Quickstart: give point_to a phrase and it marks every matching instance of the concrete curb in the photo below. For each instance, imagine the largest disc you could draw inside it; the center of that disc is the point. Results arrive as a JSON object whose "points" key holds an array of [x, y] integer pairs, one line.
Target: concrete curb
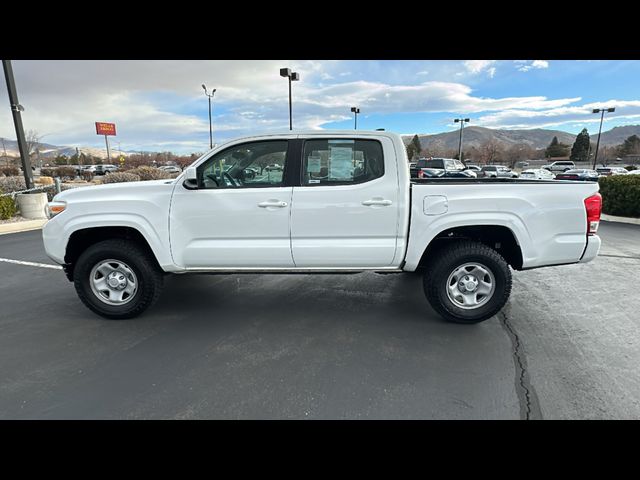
{"points": [[22, 226], [613, 218]]}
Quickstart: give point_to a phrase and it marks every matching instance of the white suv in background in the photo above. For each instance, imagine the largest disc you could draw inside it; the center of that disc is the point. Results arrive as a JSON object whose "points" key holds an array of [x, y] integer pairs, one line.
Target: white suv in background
{"points": [[560, 166]]}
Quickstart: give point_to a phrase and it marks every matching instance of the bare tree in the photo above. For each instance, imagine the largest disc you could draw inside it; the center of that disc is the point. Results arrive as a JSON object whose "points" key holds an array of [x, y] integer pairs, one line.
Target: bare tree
{"points": [[5, 157], [518, 153], [32, 139], [490, 151]]}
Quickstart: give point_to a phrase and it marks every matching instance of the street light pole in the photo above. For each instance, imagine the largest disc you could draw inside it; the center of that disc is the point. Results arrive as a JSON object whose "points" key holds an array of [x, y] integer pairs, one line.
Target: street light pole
{"points": [[598, 110], [213, 92], [462, 122], [16, 108], [293, 77], [356, 111]]}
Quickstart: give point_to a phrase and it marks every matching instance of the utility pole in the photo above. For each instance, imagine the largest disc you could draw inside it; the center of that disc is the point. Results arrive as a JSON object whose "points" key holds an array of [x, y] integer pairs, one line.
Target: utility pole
{"points": [[293, 77], [213, 92], [355, 111], [16, 108], [598, 110], [462, 121]]}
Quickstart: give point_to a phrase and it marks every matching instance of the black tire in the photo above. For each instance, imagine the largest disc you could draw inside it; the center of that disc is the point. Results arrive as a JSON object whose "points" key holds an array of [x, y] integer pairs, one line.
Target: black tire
{"points": [[149, 277], [451, 257]]}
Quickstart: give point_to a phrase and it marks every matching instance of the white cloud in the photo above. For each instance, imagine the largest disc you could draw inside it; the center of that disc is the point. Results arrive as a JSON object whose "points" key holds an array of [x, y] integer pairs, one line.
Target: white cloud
{"points": [[478, 66], [526, 65], [553, 117], [423, 72], [540, 64], [159, 104]]}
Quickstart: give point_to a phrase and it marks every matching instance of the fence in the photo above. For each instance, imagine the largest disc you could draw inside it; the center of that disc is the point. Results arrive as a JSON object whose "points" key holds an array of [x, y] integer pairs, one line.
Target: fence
{"points": [[55, 185]]}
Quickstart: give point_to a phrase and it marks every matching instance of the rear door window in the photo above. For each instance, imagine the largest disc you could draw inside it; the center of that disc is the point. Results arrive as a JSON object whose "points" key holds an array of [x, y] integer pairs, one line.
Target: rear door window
{"points": [[341, 161]]}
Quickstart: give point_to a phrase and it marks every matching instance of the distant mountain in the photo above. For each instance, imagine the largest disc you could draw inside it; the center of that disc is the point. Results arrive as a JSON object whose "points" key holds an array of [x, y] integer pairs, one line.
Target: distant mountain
{"points": [[616, 135], [51, 151], [536, 138]]}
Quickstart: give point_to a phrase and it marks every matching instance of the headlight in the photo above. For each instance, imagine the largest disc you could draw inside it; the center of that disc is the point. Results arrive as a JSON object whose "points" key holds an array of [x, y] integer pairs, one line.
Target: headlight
{"points": [[52, 209]]}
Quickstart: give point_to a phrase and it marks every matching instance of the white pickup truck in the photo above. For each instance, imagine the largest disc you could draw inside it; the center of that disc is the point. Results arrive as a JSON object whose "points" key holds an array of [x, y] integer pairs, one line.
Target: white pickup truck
{"points": [[336, 202]]}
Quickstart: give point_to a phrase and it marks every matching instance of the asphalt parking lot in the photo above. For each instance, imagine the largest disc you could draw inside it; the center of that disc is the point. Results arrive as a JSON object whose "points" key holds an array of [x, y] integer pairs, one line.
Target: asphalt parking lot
{"points": [[567, 345]]}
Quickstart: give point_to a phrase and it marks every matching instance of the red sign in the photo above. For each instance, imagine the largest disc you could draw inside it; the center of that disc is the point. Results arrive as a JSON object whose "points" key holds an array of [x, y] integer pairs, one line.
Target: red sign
{"points": [[105, 128]]}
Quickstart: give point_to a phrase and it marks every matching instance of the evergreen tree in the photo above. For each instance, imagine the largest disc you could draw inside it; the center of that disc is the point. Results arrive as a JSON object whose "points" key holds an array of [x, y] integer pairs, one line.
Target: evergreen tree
{"points": [[556, 149], [631, 146], [415, 141], [580, 149]]}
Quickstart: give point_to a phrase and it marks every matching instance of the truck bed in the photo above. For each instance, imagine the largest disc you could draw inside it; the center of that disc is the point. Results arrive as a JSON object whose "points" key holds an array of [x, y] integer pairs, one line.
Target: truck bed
{"points": [[547, 218]]}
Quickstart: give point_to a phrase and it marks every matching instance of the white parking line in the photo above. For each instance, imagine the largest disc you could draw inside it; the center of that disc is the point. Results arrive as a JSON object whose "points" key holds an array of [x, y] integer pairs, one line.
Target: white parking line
{"points": [[31, 264]]}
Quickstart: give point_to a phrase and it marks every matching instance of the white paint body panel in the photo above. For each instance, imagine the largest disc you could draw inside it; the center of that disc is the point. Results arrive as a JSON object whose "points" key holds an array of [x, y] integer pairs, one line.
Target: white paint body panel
{"points": [[330, 226], [140, 205], [548, 220], [325, 228], [227, 228]]}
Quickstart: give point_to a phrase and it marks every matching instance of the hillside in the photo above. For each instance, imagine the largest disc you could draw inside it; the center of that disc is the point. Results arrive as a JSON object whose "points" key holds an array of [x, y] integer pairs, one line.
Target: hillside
{"points": [[51, 151], [536, 138]]}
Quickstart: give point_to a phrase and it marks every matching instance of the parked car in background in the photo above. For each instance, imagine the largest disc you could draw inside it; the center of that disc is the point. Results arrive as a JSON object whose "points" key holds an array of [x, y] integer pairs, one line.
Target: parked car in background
{"points": [[89, 168], [560, 166], [583, 174], [537, 174], [473, 168], [497, 171], [105, 168], [444, 164], [273, 168], [607, 171], [438, 173], [170, 169], [634, 172]]}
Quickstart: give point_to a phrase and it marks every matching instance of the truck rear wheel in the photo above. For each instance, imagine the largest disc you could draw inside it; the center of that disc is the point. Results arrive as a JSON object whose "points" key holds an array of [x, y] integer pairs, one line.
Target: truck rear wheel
{"points": [[116, 279], [468, 282]]}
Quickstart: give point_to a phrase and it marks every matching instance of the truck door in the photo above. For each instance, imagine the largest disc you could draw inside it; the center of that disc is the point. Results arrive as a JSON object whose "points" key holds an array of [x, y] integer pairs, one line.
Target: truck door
{"points": [[345, 213], [239, 215]]}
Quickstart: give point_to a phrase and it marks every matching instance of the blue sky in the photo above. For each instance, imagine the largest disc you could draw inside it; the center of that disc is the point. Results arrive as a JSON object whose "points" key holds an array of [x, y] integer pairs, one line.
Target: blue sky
{"points": [[160, 105]]}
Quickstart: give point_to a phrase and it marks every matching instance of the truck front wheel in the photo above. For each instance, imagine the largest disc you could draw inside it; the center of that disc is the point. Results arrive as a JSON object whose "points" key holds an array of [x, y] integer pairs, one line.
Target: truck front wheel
{"points": [[468, 282], [116, 279]]}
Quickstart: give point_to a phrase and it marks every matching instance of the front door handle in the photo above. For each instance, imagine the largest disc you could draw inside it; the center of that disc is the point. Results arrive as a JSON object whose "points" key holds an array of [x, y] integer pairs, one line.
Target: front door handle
{"points": [[377, 202], [272, 204]]}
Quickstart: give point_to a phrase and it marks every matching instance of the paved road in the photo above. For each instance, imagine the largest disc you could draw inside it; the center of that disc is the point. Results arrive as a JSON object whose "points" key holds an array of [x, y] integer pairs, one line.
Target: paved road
{"points": [[323, 346]]}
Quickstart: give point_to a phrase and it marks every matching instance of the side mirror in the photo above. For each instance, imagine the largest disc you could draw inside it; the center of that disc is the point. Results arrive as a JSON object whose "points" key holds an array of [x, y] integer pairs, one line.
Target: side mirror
{"points": [[190, 178]]}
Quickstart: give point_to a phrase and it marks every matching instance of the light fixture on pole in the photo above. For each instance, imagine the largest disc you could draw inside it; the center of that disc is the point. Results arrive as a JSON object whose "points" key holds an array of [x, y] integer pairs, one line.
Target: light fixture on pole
{"points": [[462, 122], [356, 111], [213, 92], [293, 77], [598, 110]]}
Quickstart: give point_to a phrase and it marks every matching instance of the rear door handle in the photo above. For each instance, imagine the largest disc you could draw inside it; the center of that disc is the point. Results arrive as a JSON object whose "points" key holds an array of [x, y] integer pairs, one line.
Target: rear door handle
{"points": [[272, 203], [377, 201]]}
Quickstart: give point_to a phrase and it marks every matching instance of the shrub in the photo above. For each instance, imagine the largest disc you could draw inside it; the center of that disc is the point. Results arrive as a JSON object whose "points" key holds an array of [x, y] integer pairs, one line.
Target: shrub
{"points": [[47, 172], [11, 184], [10, 171], [8, 208], [621, 195], [630, 168], [118, 177], [68, 173], [86, 176], [150, 173]]}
